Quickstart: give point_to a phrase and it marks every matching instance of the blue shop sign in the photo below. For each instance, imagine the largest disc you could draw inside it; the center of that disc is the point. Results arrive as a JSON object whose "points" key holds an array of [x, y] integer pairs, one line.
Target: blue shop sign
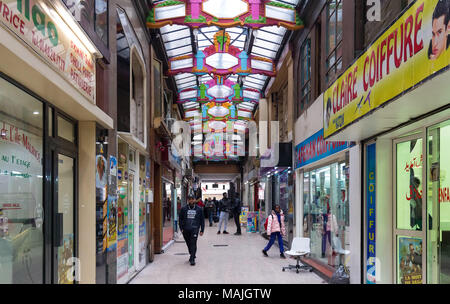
{"points": [[315, 148]]}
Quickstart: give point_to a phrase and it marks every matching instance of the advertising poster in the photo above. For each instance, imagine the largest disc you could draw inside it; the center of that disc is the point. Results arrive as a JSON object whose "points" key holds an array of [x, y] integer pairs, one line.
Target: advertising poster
{"points": [[409, 260], [243, 216], [252, 222], [406, 54], [112, 217]]}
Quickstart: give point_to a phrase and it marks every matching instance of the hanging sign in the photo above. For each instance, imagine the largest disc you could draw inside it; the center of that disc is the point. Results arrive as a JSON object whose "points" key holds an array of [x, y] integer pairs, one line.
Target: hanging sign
{"points": [[37, 23], [414, 48]]}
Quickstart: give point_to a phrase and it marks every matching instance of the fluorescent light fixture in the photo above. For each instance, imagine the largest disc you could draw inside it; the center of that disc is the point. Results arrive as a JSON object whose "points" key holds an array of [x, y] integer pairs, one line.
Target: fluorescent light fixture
{"points": [[36, 113]]}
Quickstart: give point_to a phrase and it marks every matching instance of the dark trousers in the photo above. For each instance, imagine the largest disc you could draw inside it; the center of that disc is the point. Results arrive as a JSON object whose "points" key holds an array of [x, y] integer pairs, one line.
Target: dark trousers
{"points": [[190, 237], [236, 221], [210, 215], [324, 241], [274, 235]]}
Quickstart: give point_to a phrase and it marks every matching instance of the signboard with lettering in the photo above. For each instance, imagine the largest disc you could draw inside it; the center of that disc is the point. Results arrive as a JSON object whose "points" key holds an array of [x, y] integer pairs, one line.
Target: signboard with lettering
{"points": [[315, 148], [37, 23], [414, 48], [371, 213]]}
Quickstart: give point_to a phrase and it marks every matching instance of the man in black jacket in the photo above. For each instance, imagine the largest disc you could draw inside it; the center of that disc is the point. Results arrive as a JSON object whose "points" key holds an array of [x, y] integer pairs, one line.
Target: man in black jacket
{"points": [[237, 212], [191, 221]]}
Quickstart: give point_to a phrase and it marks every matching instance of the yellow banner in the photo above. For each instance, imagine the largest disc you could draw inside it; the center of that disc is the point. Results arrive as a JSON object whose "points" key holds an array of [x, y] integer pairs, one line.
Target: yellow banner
{"points": [[411, 50]]}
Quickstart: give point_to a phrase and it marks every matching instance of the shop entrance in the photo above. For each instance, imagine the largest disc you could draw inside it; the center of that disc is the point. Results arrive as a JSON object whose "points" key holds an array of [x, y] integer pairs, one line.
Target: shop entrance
{"points": [[168, 211], [438, 207], [422, 214], [410, 197], [61, 160]]}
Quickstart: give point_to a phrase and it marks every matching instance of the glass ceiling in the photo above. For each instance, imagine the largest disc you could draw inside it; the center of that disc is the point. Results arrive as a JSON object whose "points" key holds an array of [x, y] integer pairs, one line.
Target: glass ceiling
{"points": [[185, 46]]}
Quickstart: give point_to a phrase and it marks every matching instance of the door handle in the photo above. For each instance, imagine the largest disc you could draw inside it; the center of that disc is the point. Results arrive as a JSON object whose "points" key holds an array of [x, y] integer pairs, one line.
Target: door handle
{"points": [[59, 231]]}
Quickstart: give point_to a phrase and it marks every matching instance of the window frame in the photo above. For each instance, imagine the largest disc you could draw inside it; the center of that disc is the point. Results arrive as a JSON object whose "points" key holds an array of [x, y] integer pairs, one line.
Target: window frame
{"points": [[331, 71]]}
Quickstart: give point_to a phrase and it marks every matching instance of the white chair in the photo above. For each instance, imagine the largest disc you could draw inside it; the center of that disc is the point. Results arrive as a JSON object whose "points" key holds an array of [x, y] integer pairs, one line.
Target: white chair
{"points": [[300, 247]]}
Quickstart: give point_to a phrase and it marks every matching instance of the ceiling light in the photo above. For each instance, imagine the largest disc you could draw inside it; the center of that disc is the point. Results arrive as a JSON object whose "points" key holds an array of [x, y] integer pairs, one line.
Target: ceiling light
{"points": [[36, 113]]}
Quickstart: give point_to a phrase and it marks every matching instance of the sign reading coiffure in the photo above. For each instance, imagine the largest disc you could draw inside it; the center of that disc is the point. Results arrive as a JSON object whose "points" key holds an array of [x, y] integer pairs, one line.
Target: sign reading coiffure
{"points": [[413, 49], [38, 24]]}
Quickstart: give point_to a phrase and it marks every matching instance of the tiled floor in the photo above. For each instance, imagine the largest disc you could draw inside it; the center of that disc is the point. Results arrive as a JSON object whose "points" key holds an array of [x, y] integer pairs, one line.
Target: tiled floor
{"points": [[240, 262]]}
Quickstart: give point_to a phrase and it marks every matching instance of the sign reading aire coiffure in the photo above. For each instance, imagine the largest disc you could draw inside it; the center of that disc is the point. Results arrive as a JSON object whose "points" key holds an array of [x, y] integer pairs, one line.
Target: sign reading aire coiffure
{"points": [[37, 23], [410, 51]]}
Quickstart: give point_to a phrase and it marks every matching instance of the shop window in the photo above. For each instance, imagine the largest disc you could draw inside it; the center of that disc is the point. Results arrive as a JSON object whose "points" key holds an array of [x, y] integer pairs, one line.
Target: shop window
{"points": [[305, 76], [21, 186], [326, 218], [409, 184], [101, 20], [334, 37], [438, 204], [66, 129]]}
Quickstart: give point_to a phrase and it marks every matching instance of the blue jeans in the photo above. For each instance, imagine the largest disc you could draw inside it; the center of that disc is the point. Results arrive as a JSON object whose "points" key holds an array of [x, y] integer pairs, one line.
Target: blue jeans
{"points": [[210, 216], [273, 235]]}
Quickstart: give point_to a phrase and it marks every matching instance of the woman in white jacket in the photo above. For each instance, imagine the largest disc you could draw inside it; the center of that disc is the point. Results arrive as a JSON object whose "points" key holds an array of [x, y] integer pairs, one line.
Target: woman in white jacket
{"points": [[276, 229]]}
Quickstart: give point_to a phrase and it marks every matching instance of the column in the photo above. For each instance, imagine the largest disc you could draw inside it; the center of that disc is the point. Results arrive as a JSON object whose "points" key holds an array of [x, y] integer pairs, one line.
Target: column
{"points": [[86, 201]]}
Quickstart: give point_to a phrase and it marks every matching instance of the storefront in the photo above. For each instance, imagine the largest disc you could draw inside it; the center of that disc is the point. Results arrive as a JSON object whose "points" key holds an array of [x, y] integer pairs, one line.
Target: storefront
{"points": [[168, 204], [404, 130], [133, 184], [323, 175], [46, 101]]}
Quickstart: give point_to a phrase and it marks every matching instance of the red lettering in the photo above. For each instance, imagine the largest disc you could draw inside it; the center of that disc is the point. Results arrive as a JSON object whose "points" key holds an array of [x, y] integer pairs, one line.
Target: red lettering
{"points": [[16, 21], [373, 64], [398, 59], [408, 40], [365, 82], [389, 51], [349, 88], [355, 78], [418, 25], [378, 60], [383, 56], [5, 12]]}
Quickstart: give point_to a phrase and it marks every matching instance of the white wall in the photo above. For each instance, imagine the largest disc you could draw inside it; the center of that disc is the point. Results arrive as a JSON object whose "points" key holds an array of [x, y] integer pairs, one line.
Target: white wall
{"points": [[355, 215], [384, 236], [310, 122]]}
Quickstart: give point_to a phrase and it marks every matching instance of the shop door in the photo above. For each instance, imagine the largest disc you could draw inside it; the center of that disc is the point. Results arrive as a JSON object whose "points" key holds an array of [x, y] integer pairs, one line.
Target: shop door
{"points": [[409, 207], [131, 208], [438, 205], [63, 226]]}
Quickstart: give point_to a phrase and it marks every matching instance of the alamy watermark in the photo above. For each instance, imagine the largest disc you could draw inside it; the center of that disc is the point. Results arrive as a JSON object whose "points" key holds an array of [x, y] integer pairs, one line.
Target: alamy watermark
{"points": [[373, 10]]}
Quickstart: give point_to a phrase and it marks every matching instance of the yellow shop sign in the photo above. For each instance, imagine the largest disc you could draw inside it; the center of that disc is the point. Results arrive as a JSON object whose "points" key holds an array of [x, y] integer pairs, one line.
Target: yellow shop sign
{"points": [[37, 23], [414, 48]]}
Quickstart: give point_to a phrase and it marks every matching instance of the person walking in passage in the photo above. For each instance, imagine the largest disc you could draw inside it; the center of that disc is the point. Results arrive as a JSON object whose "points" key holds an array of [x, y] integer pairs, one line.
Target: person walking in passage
{"points": [[276, 229], [225, 208], [237, 205], [191, 221], [210, 210]]}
